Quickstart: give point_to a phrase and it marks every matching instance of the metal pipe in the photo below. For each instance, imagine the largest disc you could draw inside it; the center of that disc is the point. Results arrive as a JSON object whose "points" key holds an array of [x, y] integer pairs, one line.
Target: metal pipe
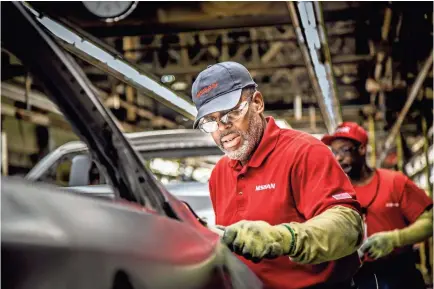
{"points": [[372, 140], [399, 153], [381, 55], [28, 86], [298, 105], [312, 118], [411, 97], [427, 169], [386, 24], [329, 111], [5, 162], [322, 31]]}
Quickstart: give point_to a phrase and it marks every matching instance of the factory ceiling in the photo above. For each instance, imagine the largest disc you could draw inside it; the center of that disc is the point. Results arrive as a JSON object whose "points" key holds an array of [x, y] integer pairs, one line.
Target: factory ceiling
{"points": [[377, 50]]}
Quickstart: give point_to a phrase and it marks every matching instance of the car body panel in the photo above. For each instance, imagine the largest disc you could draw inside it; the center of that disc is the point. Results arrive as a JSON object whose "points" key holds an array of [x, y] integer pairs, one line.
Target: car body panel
{"points": [[57, 236]]}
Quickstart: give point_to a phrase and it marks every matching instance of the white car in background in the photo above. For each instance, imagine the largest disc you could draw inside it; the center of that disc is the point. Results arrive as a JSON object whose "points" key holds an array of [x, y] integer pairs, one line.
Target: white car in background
{"points": [[181, 159]]}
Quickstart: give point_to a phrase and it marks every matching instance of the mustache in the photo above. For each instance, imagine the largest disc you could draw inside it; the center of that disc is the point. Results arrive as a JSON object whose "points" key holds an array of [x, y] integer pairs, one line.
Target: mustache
{"points": [[223, 134]]}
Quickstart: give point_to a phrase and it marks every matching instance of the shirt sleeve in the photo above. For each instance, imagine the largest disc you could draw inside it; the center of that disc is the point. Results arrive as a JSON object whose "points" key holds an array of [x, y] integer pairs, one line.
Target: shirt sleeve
{"points": [[333, 234], [318, 182], [414, 200]]}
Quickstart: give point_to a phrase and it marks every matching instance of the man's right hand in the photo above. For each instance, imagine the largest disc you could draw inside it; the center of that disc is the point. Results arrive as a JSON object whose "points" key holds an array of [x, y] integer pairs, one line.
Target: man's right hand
{"points": [[255, 240], [380, 244]]}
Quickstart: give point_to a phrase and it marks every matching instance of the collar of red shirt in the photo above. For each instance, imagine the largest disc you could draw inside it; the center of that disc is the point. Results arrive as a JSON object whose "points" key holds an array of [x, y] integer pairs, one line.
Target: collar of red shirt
{"points": [[266, 146]]}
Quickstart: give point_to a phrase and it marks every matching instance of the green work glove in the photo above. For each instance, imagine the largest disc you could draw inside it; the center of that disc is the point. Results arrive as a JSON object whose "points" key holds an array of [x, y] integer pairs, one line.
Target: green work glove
{"points": [[380, 244], [255, 240]]}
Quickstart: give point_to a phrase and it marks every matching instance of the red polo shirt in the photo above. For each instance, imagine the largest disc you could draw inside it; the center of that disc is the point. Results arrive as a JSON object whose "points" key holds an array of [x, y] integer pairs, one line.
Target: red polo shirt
{"points": [[392, 201], [291, 177]]}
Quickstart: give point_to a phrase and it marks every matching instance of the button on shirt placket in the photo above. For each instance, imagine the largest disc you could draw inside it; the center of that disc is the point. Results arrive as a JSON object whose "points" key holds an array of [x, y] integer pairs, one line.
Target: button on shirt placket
{"points": [[240, 191]]}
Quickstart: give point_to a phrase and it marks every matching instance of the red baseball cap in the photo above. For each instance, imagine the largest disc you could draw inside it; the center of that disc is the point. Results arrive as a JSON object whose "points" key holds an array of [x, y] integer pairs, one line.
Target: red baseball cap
{"points": [[349, 130]]}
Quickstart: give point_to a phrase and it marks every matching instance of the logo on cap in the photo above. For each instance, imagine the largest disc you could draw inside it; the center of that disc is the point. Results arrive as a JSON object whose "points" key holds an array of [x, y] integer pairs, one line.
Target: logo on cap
{"points": [[344, 129], [206, 89]]}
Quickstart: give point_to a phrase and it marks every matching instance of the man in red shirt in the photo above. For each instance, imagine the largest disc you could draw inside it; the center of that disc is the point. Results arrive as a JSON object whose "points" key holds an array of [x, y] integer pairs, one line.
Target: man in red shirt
{"points": [[397, 213], [288, 209]]}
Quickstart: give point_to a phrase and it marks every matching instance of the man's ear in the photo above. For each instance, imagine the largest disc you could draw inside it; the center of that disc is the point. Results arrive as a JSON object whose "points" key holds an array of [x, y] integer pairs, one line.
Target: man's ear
{"points": [[362, 149], [258, 102]]}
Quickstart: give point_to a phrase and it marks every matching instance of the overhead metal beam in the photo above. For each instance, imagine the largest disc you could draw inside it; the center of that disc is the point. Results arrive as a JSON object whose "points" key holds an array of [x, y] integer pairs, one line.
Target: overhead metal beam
{"points": [[322, 31], [142, 28], [94, 52], [35, 117], [254, 65], [186, 54], [334, 32], [328, 104], [41, 101], [411, 97], [351, 113], [180, 69], [36, 99]]}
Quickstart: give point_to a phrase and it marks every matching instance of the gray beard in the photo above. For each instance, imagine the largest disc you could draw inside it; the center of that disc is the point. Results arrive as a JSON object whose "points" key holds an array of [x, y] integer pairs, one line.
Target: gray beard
{"points": [[250, 139]]}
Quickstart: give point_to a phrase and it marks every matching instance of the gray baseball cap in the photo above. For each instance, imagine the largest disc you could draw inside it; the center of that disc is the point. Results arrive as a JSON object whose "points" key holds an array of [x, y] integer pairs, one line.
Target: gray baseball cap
{"points": [[218, 88]]}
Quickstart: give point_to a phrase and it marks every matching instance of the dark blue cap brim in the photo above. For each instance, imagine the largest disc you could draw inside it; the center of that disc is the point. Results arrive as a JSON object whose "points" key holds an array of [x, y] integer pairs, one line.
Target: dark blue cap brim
{"points": [[220, 103]]}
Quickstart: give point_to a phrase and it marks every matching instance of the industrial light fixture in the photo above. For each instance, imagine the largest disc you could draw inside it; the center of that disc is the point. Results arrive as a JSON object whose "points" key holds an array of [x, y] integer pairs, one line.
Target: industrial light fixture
{"points": [[168, 78], [179, 86], [119, 65]]}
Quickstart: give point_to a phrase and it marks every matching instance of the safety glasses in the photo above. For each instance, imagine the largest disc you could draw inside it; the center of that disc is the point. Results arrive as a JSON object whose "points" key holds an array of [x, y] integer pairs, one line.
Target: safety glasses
{"points": [[344, 151], [210, 126]]}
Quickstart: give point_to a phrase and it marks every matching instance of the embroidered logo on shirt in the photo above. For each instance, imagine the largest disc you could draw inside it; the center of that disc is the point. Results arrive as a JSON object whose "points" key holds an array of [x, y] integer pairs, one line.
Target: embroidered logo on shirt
{"points": [[342, 196], [265, 187], [391, 205]]}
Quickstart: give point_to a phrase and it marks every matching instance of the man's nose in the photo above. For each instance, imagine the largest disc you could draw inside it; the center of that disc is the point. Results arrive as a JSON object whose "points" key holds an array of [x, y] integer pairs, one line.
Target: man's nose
{"points": [[338, 158], [222, 126]]}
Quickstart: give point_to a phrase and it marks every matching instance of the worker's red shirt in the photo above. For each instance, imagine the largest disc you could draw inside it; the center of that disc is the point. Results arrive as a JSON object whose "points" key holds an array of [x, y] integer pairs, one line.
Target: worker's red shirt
{"points": [[291, 177], [392, 201]]}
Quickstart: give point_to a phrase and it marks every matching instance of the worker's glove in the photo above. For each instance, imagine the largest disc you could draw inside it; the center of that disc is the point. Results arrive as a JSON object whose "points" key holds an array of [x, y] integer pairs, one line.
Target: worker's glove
{"points": [[380, 244], [255, 240]]}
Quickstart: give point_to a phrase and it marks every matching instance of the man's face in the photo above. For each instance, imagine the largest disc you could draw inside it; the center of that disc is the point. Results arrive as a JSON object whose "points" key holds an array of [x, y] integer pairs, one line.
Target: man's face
{"points": [[239, 138], [349, 155]]}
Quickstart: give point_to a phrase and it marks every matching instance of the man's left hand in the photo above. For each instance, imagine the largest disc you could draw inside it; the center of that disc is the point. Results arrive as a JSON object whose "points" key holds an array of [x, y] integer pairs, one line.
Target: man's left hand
{"points": [[380, 244], [255, 240]]}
